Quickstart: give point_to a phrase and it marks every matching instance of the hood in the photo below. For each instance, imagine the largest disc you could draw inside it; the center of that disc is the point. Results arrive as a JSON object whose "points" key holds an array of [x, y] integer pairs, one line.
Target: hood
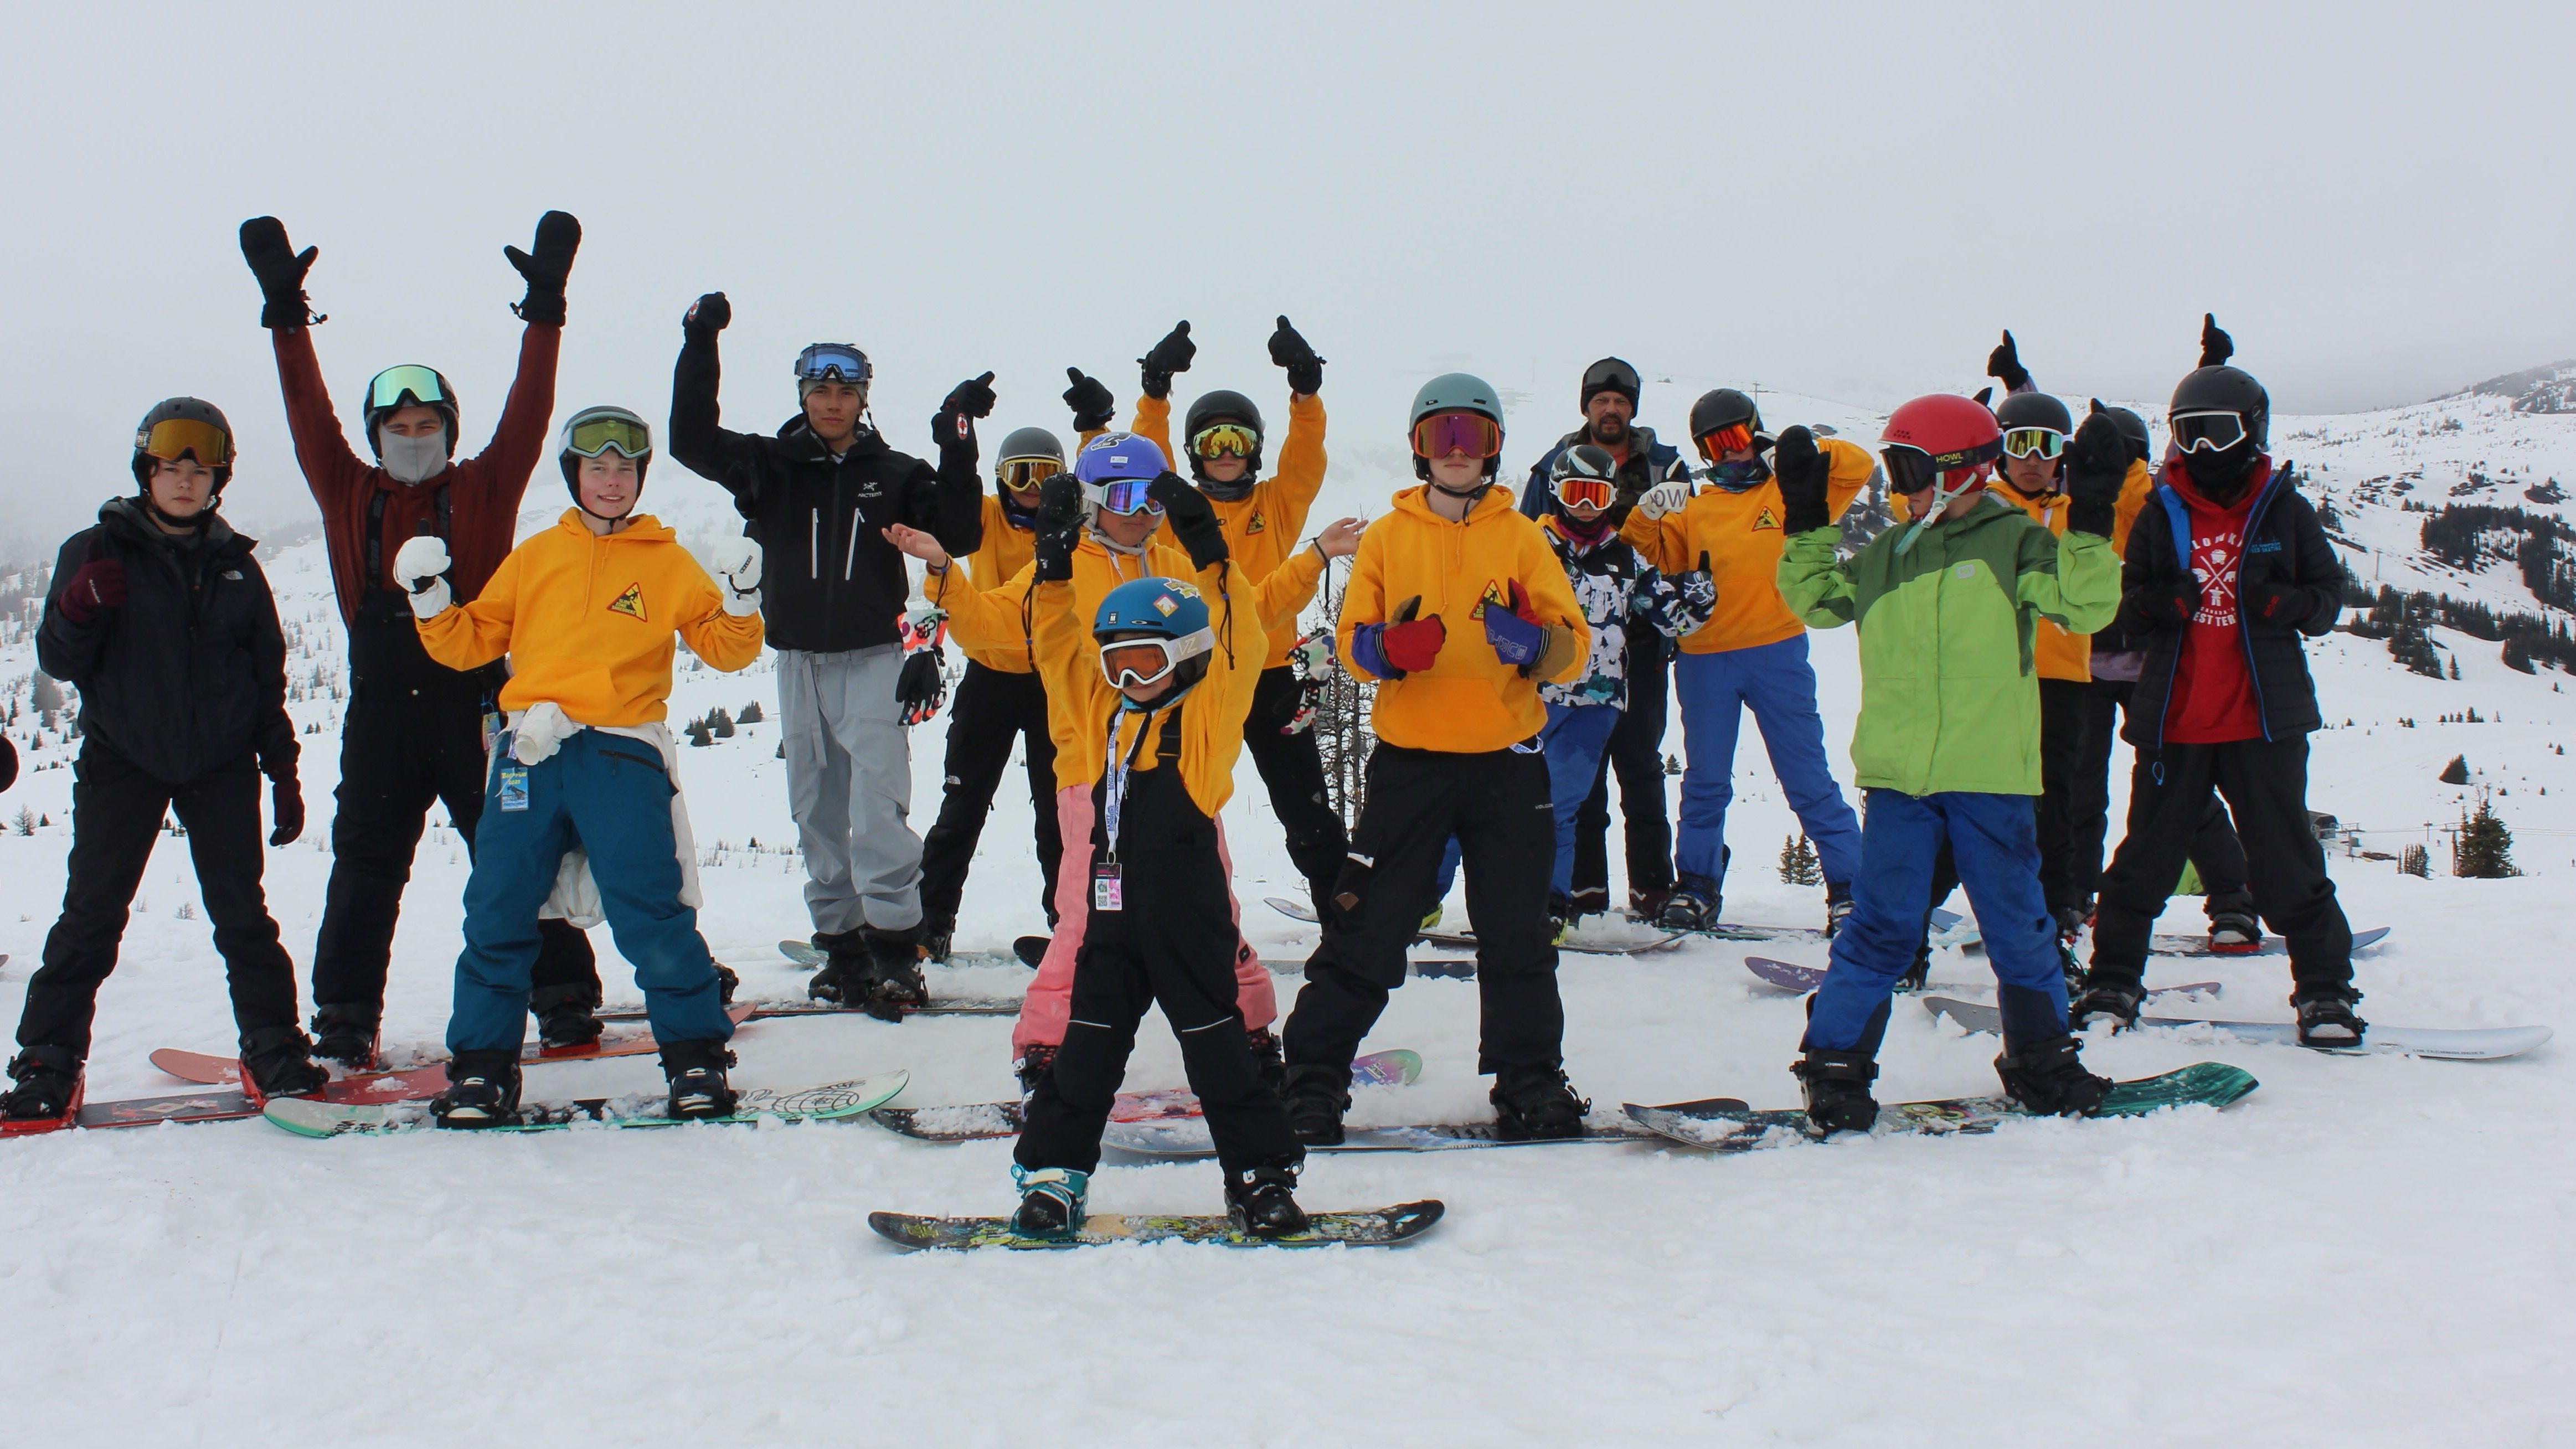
{"points": [[800, 437], [1497, 500], [641, 528], [126, 519]]}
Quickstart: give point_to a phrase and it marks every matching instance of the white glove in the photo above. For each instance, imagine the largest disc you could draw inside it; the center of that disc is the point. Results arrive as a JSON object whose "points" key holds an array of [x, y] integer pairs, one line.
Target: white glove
{"points": [[539, 731], [1669, 496], [737, 562], [418, 565]]}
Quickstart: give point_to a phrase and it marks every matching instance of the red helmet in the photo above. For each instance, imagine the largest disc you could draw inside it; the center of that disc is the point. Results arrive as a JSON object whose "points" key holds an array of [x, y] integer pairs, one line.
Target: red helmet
{"points": [[1941, 433]]}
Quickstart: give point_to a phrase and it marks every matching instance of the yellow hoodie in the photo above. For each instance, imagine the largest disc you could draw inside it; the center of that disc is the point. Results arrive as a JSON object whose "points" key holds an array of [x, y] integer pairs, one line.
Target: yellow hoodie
{"points": [[1742, 536], [1005, 551], [1468, 701], [1263, 526], [587, 622], [1212, 711]]}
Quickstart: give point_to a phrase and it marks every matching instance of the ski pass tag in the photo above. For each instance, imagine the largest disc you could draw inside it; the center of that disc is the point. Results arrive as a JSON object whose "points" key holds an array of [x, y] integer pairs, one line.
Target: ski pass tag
{"points": [[514, 787], [1105, 887]]}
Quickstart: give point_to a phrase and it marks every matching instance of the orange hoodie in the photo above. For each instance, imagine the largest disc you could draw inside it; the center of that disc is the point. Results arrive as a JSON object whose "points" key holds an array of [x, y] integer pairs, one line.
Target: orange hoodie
{"points": [[1468, 701], [1005, 551], [1212, 711], [587, 621], [1262, 528], [1742, 536]]}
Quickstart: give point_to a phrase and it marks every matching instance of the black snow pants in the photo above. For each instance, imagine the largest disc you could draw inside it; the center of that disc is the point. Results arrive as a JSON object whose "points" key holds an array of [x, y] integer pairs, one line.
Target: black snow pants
{"points": [[1293, 772], [2216, 853], [994, 709], [1637, 753]]}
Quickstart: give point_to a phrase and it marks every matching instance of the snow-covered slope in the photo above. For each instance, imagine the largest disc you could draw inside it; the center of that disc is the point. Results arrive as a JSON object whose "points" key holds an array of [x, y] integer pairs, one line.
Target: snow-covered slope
{"points": [[2363, 1249]]}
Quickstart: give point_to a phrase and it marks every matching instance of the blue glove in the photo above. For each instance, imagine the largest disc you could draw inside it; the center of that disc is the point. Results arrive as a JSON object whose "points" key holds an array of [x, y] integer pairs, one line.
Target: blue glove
{"points": [[1516, 634]]}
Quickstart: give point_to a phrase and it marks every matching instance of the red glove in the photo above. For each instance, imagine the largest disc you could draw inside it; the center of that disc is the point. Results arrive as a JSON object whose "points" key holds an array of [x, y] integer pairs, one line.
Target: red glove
{"points": [[1408, 643], [99, 584]]}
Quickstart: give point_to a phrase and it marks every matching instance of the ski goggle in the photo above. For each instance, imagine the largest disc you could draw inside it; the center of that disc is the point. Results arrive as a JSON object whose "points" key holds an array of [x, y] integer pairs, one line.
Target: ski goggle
{"points": [[1219, 439], [1716, 445], [170, 438], [592, 434], [1576, 490], [1129, 663], [1125, 496], [2207, 432], [407, 385], [2034, 443], [1911, 470], [1441, 434], [1022, 474], [833, 362]]}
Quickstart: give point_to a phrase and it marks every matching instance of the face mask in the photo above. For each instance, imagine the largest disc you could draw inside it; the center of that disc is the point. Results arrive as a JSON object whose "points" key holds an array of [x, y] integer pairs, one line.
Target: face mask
{"points": [[1736, 477], [412, 460]]}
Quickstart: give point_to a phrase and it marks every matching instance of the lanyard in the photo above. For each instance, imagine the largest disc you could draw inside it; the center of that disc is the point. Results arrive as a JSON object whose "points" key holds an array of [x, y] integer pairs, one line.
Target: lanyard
{"points": [[1115, 797]]}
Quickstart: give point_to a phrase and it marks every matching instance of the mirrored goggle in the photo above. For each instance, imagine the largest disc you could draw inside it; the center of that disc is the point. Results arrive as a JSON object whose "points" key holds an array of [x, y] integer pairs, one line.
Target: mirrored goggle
{"points": [[833, 362], [594, 436], [1222, 438], [390, 387], [1911, 470], [1441, 434], [1574, 489], [2207, 432], [1132, 662], [1716, 445], [1022, 474], [171, 438], [1126, 495], [2034, 443]]}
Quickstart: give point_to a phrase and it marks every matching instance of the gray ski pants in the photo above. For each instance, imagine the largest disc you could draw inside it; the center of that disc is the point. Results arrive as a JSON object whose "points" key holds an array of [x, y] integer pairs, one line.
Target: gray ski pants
{"points": [[849, 785]]}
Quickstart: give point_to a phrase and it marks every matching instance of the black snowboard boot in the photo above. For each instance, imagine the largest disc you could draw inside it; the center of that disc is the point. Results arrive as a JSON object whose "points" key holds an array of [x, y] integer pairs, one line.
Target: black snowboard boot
{"points": [[1052, 1201], [1589, 901], [1838, 906], [482, 1090], [277, 1061], [726, 984], [1692, 906], [1317, 1097], [1265, 1059], [937, 938], [2048, 1076], [2116, 1002], [1836, 1086], [696, 1072], [1259, 1201], [48, 1085], [2326, 1017], [1920, 973], [2234, 929], [1032, 1067], [348, 1035], [1536, 1104], [849, 973], [1560, 916], [1647, 905], [897, 980], [566, 1016]]}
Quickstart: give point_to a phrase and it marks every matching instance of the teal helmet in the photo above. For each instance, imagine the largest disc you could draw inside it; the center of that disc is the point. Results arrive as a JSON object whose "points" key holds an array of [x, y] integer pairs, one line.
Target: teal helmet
{"points": [[1457, 392], [1167, 616]]}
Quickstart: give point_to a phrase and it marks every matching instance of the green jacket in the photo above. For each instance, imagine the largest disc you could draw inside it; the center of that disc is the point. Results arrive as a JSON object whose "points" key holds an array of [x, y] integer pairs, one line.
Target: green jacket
{"points": [[1949, 697]]}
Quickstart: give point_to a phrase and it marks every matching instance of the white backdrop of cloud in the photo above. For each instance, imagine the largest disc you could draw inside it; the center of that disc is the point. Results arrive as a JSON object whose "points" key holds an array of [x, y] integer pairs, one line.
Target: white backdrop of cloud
{"points": [[1842, 200]]}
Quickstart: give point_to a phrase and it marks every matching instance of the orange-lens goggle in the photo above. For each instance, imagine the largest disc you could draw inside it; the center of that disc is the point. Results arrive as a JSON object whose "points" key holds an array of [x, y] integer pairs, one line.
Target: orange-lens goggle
{"points": [[1575, 491], [1716, 445], [1022, 474], [1441, 434], [1220, 439], [1130, 663], [171, 438]]}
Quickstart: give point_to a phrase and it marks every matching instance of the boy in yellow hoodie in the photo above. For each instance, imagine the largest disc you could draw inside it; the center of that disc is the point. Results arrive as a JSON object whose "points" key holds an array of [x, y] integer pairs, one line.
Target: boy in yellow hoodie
{"points": [[1458, 718], [586, 612]]}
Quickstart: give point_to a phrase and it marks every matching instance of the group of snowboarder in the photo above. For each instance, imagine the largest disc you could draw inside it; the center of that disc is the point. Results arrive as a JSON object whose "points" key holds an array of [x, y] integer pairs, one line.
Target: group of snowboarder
{"points": [[1135, 631]]}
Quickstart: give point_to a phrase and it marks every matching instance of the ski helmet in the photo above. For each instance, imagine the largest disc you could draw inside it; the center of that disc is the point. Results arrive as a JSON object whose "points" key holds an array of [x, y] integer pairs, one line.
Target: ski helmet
{"points": [[593, 431], [1587, 472], [2221, 390], [409, 385], [1611, 374], [1457, 392], [2133, 428], [1116, 470], [1171, 616], [1038, 453], [1937, 435], [1222, 406], [2034, 410], [183, 427], [1723, 408]]}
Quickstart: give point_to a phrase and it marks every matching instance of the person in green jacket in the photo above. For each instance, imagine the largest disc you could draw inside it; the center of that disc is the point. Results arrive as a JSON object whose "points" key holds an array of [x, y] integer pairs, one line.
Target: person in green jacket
{"points": [[1948, 742]]}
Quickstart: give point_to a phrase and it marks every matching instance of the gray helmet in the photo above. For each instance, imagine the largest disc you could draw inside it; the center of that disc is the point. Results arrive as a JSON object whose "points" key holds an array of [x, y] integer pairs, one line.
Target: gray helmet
{"points": [[2034, 410], [1611, 374], [1456, 392], [1029, 443], [1722, 408]]}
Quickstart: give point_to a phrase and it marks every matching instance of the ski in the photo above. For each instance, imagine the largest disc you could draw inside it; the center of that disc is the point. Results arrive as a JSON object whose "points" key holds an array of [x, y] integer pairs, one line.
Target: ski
{"points": [[1189, 1139], [2211, 1084], [207, 1069], [2459, 1044], [1584, 942], [976, 1121], [830, 1102], [2198, 946], [1374, 1228], [1790, 976]]}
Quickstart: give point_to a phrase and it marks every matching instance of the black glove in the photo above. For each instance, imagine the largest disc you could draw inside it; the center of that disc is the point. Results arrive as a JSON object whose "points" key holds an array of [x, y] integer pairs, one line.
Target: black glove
{"points": [[1089, 398], [2215, 346], [558, 237], [280, 269], [286, 808], [1169, 356], [1801, 470], [1192, 519], [2277, 606], [920, 682], [2004, 365], [1288, 350], [708, 314], [954, 424], [1058, 526], [2097, 464], [2170, 605]]}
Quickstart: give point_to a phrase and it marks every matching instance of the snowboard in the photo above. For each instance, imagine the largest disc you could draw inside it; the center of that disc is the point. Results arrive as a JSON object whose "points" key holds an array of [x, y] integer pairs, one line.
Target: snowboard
{"points": [[1590, 942], [1790, 976], [213, 1104], [1374, 1228], [975, 1121], [2198, 946], [2212, 1084], [831, 1102], [2464, 1044], [1189, 1139], [804, 954], [765, 1010], [210, 1070]]}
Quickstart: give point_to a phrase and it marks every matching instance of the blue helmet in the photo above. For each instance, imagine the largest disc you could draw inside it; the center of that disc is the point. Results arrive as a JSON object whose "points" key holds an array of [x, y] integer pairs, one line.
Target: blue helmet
{"points": [[1173, 617], [1119, 457]]}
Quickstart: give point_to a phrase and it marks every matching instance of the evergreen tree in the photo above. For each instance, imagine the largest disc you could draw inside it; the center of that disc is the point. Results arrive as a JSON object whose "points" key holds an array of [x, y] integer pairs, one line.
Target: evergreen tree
{"points": [[2415, 860], [1798, 862], [2483, 850]]}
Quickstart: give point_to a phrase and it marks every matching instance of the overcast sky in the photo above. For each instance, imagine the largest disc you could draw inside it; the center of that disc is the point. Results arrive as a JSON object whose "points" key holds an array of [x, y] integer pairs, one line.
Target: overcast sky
{"points": [[1846, 201]]}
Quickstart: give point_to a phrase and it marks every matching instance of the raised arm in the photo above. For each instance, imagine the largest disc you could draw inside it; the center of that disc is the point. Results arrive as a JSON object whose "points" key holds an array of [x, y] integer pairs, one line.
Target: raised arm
{"points": [[698, 439], [950, 503]]}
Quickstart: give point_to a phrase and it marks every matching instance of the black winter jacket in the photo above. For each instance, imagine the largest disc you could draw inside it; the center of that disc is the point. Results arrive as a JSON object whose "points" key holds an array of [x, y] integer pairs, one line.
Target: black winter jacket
{"points": [[190, 674], [829, 580], [2284, 544]]}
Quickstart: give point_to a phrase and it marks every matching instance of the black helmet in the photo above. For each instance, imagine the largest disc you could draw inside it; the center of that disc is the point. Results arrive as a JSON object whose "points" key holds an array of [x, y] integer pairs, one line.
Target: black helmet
{"points": [[1610, 375], [409, 385], [180, 427], [1221, 406], [2034, 410], [2132, 427], [1584, 460], [1029, 443], [1723, 408], [2226, 390]]}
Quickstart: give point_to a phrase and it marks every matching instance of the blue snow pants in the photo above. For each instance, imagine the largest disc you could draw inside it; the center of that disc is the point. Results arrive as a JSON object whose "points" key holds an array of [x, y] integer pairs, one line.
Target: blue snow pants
{"points": [[1776, 682], [1995, 839], [608, 794], [1575, 737]]}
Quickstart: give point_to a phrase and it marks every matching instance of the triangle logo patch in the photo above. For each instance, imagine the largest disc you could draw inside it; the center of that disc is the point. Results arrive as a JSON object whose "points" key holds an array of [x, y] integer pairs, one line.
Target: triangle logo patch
{"points": [[1766, 520], [629, 603]]}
